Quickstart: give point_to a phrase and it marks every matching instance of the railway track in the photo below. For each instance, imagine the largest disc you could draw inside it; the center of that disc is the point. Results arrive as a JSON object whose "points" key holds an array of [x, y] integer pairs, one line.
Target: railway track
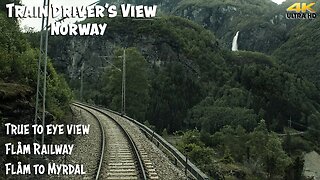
{"points": [[102, 144], [121, 158]]}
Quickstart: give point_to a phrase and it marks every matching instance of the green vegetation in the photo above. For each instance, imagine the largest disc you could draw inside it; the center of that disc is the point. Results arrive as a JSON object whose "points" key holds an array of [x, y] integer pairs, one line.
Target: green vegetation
{"points": [[261, 24], [190, 82], [232, 107], [259, 152], [258, 89], [18, 78], [19, 65], [137, 85], [301, 52], [180, 78]]}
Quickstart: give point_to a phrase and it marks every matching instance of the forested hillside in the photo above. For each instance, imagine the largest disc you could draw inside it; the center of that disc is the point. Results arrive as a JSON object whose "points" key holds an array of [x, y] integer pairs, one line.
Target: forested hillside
{"points": [[301, 50], [18, 77], [249, 114], [190, 81], [262, 24]]}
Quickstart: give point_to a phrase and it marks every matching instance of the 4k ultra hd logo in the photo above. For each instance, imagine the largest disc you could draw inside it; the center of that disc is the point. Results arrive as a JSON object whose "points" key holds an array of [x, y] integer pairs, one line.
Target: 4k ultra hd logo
{"points": [[301, 11]]}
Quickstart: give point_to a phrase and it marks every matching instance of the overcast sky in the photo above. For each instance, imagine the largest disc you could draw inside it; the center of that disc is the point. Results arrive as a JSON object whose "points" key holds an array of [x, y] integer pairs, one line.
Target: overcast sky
{"points": [[36, 23]]}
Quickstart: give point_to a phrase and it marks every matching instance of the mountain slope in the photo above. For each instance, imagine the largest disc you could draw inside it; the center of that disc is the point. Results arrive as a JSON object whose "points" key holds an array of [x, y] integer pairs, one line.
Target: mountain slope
{"points": [[187, 64], [194, 83], [262, 24], [301, 51], [261, 29]]}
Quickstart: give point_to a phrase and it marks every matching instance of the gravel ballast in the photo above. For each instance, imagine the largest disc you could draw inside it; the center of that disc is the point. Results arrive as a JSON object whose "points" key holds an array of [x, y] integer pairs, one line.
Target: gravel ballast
{"points": [[164, 167]]}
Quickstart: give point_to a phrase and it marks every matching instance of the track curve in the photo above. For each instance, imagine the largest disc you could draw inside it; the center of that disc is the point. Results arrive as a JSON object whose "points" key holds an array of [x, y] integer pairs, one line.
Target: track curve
{"points": [[123, 159]]}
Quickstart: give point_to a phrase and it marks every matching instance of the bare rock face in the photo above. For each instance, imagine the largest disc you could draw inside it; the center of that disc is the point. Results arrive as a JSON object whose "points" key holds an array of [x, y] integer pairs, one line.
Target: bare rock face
{"points": [[262, 23], [261, 31], [160, 41]]}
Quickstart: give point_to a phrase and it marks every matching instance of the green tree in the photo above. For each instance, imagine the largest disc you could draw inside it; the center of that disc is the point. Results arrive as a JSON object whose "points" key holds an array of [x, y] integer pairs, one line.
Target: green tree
{"points": [[267, 147], [276, 160], [173, 92], [295, 170], [19, 65], [137, 85], [191, 146], [4, 2], [213, 118], [314, 128]]}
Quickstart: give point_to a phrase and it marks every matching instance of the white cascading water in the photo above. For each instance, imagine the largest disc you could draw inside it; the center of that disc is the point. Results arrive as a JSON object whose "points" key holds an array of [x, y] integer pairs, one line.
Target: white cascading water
{"points": [[235, 42]]}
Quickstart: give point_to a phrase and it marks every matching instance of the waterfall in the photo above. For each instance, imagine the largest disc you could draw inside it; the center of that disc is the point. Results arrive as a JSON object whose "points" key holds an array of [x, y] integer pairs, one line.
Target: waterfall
{"points": [[235, 42]]}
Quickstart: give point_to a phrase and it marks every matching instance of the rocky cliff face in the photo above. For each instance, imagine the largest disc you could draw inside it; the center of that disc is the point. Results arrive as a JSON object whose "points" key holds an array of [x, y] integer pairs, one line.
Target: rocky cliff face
{"points": [[160, 42], [96, 53], [163, 5], [262, 24]]}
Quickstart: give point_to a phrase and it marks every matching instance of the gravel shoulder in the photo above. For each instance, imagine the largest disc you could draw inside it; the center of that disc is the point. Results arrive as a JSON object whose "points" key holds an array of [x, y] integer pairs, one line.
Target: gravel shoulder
{"points": [[86, 147]]}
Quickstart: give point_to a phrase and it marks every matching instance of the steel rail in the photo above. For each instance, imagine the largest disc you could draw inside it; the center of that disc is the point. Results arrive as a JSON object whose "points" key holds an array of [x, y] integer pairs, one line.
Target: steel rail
{"points": [[132, 144], [193, 169], [103, 140]]}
